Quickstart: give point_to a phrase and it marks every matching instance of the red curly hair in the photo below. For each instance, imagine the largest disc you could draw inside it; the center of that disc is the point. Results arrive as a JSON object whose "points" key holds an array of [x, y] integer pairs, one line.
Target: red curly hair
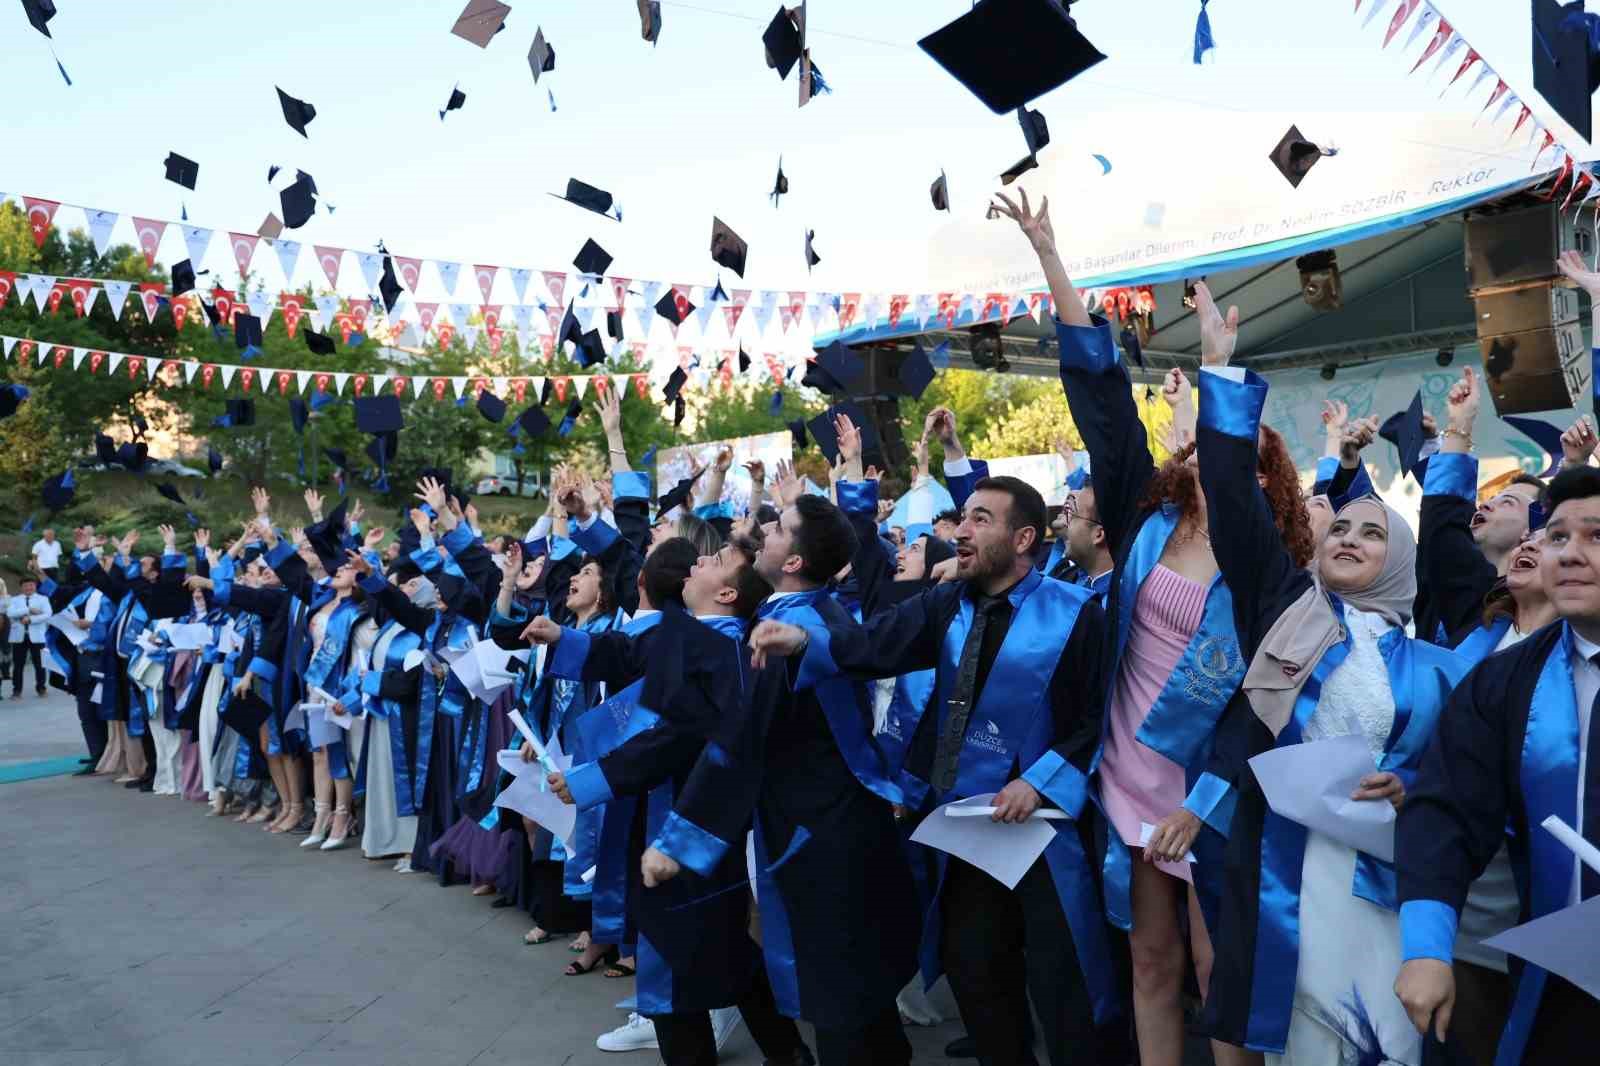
{"points": [[1176, 483]]}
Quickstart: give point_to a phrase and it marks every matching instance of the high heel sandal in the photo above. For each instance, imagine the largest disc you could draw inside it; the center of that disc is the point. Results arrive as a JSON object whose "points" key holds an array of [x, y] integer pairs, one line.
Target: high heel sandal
{"points": [[319, 829], [219, 803], [262, 813], [337, 839], [291, 816], [576, 968]]}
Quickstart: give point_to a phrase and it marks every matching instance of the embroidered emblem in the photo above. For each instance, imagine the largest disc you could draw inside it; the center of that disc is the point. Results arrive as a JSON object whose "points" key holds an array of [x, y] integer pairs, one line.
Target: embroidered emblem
{"points": [[1215, 657], [988, 738]]}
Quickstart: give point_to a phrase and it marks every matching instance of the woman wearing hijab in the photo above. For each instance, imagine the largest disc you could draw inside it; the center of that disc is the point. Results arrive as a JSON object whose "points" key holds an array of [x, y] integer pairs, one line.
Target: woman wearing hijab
{"points": [[1310, 931], [1174, 649]]}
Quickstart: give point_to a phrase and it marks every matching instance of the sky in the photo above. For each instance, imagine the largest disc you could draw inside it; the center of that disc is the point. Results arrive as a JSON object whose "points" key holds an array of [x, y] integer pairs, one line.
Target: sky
{"points": [[694, 127]]}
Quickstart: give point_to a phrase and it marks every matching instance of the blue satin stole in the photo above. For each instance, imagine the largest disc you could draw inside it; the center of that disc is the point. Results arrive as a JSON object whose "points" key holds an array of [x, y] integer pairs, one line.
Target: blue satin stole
{"points": [[1481, 642]]}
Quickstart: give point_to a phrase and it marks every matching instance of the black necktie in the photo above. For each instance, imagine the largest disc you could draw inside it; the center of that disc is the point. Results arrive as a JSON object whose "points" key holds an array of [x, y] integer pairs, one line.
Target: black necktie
{"points": [[960, 702], [1589, 883]]}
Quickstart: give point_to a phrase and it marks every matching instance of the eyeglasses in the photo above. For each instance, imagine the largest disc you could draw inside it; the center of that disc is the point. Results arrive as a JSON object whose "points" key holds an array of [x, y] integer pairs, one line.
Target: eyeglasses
{"points": [[1070, 509]]}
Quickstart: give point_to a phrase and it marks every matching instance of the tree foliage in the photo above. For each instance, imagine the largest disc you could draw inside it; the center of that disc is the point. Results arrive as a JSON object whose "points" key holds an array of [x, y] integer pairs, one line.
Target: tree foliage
{"points": [[1032, 428]]}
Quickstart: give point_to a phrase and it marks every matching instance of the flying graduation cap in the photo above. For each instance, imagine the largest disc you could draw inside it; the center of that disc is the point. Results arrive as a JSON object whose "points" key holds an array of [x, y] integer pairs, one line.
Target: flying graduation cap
{"points": [[592, 259], [1294, 156], [667, 308], [183, 171], [11, 397], [780, 184], [812, 258], [1543, 434], [480, 20], [727, 247], [570, 419], [491, 406], [457, 98], [319, 343], [170, 491], [59, 491], [213, 459], [1036, 132], [650, 20], [382, 418], [1404, 430], [299, 413], [299, 200], [182, 277], [785, 39], [541, 57], [1565, 68], [297, 113], [236, 414], [40, 12], [133, 455], [591, 348], [589, 198], [1008, 52], [532, 421], [939, 192], [674, 386], [389, 285], [247, 333]]}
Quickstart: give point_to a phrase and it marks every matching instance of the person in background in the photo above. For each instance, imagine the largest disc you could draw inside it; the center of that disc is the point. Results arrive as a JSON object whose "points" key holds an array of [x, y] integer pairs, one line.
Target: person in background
{"points": [[29, 613], [1085, 539], [46, 552]]}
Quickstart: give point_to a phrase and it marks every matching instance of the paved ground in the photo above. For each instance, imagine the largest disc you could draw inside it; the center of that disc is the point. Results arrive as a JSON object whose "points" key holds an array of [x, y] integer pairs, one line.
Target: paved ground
{"points": [[34, 729], [135, 930]]}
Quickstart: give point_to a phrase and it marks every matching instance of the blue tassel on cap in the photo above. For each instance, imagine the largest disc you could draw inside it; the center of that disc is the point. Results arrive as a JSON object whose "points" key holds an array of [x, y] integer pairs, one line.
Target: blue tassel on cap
{"points": [[1203, 41]]}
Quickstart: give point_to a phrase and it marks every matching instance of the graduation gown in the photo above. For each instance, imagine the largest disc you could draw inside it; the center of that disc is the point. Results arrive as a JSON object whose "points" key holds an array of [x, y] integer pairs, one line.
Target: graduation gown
{"points": [[1452, 570], [833, 885]]}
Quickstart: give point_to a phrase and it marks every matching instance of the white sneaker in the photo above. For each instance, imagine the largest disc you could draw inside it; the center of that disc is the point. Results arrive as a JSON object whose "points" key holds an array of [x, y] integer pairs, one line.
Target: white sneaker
{"points": [[635, 1034], [724, 1020], [403, 866]]}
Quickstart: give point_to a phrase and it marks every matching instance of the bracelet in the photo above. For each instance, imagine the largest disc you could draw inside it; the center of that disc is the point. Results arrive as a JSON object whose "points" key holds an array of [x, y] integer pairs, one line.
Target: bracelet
{"points": [[619, 451], [1451, 431]]}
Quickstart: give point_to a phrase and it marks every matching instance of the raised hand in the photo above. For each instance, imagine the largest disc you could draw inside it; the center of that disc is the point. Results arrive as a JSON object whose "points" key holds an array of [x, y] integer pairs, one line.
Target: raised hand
{"points": [[1218, 335], [419, 519], [511, 562], [373, 538], [788, 487], [1577, 271], [777, 640], [1175, 391], [356, 511], [757, 471], [609, 404], [470, 513], [849, 438], [202, 539], [1358, 433], [1578, 443], [357, 562], [169, 537], [297, 536], [724, 460], [259, 497], [313, 500], [429, 491], [1461, 411], [1335, 416], [194, 582], [1035, 225], [542, 630]]}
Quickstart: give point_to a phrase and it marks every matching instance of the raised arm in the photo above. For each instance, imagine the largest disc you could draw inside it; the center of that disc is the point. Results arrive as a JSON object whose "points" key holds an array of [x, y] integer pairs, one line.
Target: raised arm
{"points": [[1452, 568]]}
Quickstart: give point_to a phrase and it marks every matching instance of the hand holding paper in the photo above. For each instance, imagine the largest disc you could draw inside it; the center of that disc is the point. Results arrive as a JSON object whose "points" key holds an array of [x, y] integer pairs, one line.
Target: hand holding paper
{"points": [[1567, 941], [1312, 783], [1002, 850]]}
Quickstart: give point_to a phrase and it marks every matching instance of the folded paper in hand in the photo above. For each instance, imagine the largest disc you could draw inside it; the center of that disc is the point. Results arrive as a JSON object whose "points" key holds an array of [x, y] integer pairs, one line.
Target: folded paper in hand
{"points": [[1565, 942], [1311, 784], [531, 797], [1002, 850], [485, 669]]}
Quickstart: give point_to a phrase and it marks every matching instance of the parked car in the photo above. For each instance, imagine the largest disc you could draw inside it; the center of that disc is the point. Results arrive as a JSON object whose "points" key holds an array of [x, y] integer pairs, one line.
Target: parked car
{"points": [[494, 485], [159, 467]]}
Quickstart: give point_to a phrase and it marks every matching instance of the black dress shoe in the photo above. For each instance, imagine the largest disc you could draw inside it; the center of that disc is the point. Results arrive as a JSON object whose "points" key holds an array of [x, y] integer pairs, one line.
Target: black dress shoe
{"points": [[134, 784], [962, 1047], [84, 771], [800, 1056], [147, 786]]}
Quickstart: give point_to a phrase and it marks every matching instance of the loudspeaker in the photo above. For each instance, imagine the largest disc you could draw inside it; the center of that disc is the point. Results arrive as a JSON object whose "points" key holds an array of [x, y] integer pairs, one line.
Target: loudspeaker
{"points": [[1508, 247], [885, 415], [1534, 357]]}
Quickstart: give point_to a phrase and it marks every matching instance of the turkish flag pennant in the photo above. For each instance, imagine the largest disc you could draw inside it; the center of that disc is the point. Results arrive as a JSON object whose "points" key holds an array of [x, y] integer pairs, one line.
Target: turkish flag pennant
{"points": [[40, 214], [775, 369], [358, 315], [1544, 146], [495, 337], [149, 231], [57, 292], [328, 259], [207, 372], [725, 376], [797, 305], [345, 324], [600, 384], [244, 249], [561, 389], [358, 383], [8, 281], [485, 275], [150, 296], [24, 348], [519, 387], [1466, 65], [426, 313], [849, 304], [641, 386], [180, 311], [1440, 36], [61, 356], [95, 359], [446, 332], [553, 316], [556, 282], [247, 376], [439, 385], [1522, 117], [619, 292], [284, 377], [996, 302], [410, 271], [294, 305], [897, 307], [478, 385], [224, 301], [1400, 16], [947, 306], [491, 316], [135, 364], [547, 347], [322, 382], [398, 384], [79, 289]]}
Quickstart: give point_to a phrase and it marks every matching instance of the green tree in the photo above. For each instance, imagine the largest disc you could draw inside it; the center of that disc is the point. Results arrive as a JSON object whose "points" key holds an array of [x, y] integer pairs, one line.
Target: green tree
{"points": [[1032, 428]]}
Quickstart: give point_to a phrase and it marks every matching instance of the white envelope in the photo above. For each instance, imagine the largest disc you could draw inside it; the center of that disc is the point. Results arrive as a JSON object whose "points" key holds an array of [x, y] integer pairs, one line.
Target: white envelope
{"points": [[1311, 783], [1002, 850]]}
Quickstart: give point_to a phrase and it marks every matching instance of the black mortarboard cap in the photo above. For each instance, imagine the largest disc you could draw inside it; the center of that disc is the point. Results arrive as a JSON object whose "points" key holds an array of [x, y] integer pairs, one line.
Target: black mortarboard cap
{"points": [[784, 41], [320, 343], [1564, 70], [213, 459], [570, 419], [915, 373], [297, 113], [299, 200], [727, 247], [182, 277], [378, 414], [775, 404], [236, 413], [541, 57], [183, 171], [1008, 52], [843, 366], [744, 360], [569, 329], [1404, 430], [491, 406], [821, 427], [614, 324], [587, 197], [246, 331], [59, 491], [679, 409], [591, 259], [1544, 435], [298, 413], [133, 455], [812, 258], [383, 447], [1294, 156], [337, 457], [389, 285], [105, 449], [212, 314], [650, 20], [674, 385], [780, 184], [1019, 168], [675, 496], [40, 12], [667, 308], [545, 391], [11, 396], [457, 98], [170, 491], [591, 348], [327, 537], [939, 192], [1035, 130], [797, 429], [533, 422]]}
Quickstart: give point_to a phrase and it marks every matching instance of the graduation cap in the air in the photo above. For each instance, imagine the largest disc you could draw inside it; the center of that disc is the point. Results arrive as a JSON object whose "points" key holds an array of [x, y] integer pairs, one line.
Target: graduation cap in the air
{"points": [[727, 247], [1541, 433], [650, 20], [246, 332], [320, 343], [588, 197], [40, 12], [674, 385], [591, 348], [297, 113], [1565, 70], [299, 200], [570, 419], [11, 397], [133, 455], [337, 457], [457, 98], [213, 459], [837, 369], [1008, 52], [381, 417], [1294, 156], [785, 39], [676, 496], [182, 277], [327, 537], [271, 227], [541, 57], [780, 184], [915, 373], [939, 193], [236, 414], [1036, 133], [569, 330], [614, 324], [822, 431], [1404, 430], [183, 171], [105, 449], [59, 491], [532, 421], [744, 360], [546, 391], [797, 429], [480, 20], [775, 405], [667, 308], [812, 258], [389, 285], [592, 259], [170, 491], [491, 406], [299, 413]]}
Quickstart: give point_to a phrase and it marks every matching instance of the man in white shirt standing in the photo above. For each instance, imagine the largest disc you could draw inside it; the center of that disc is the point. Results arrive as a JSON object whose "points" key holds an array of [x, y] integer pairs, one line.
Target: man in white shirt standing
{"points": [[47, 553], [30, 616]]}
